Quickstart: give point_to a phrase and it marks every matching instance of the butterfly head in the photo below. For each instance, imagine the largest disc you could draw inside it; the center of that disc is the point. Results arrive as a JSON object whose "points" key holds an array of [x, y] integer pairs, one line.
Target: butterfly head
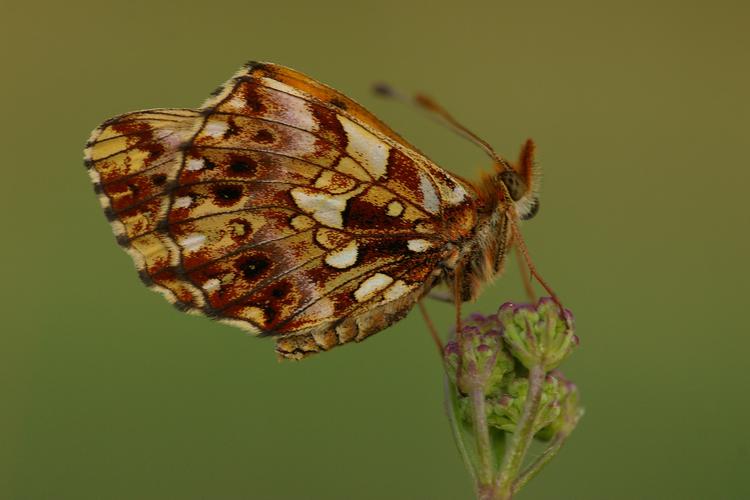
{"points": [[520, 182]]}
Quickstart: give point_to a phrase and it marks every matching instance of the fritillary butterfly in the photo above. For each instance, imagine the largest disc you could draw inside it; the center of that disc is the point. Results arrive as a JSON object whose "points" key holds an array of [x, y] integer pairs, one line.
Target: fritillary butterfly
{"points": [[285, 208]]}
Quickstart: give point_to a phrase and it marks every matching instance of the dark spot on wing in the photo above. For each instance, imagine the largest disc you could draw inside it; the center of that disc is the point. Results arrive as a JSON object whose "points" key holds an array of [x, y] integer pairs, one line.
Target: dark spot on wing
{"points": [[252, 267], [232, 129], [263, 136], [227, 194], [243, 167], [159, 179]]}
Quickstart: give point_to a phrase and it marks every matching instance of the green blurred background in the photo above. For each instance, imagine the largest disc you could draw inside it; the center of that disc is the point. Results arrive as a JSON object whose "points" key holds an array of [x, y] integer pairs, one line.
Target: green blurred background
{"points": [[641, 113]]}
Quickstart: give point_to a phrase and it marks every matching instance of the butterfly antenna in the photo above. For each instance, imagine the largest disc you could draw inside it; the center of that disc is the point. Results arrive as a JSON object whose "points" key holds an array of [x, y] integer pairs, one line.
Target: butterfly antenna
{"points": [[441, 114]]}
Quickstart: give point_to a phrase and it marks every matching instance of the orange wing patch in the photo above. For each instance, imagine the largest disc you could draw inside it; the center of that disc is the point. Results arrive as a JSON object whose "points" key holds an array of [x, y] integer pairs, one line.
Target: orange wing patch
{"points": [[280, 206]]}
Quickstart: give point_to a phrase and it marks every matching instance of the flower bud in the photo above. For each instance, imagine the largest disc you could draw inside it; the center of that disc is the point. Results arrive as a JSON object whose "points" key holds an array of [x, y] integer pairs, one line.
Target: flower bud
{"points": [[476, 358], [569, 412], [505, 412], [538, 335]]}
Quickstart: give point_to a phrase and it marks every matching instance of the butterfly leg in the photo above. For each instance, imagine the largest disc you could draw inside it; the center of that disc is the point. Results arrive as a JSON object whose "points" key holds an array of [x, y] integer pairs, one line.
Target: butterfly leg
{"points": [[525, 275], [431, 327], [458, 294], [524, 253]]}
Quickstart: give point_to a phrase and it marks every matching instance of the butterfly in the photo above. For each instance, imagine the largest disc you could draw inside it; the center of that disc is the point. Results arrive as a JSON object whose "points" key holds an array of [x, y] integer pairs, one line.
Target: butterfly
{"points": [[285, 208]]}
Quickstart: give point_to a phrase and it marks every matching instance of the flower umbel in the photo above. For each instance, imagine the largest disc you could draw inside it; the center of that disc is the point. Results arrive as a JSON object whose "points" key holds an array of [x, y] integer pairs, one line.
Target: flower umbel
{"points": [[503, 390]]}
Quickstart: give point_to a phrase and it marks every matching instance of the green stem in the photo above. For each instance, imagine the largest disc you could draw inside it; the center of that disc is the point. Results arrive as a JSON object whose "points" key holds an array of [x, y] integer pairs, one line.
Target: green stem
{"points": [[536, 466], [482, 435], [456, 427], [519, 445]]}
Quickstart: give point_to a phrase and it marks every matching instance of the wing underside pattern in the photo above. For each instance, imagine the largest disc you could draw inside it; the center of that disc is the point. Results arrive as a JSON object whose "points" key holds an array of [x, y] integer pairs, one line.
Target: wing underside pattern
{"points": [[280, 206]]}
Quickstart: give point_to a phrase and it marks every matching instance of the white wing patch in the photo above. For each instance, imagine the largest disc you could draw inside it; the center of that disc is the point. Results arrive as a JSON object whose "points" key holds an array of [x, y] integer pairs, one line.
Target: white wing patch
{"points": [[429, 195], [195, 164], [324, 207], [182, 202], [396, 290], [418, 245], [372, 286], [366, 148], [211, 285], [193, 241], [215, 128], [345, 257], [456, 195]]}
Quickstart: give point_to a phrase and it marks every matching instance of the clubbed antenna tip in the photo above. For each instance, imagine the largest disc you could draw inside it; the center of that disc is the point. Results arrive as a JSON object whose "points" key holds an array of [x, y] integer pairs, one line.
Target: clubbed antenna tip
{"points": [[384, 89]]}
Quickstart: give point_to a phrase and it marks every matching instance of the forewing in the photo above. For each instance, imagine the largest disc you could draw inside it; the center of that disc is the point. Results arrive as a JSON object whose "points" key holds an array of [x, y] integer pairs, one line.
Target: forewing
{"points": [[280, 206]]}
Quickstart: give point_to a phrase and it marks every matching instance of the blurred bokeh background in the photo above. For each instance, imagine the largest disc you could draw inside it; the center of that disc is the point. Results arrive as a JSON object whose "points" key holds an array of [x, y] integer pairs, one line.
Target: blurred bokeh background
{"points": [[641, 111]]}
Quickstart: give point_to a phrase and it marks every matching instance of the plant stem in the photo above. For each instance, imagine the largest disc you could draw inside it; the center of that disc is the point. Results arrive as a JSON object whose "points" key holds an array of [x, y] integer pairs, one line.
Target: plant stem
{"points": [[519, 445], [482, 434], [536, 466], [458, 434]]}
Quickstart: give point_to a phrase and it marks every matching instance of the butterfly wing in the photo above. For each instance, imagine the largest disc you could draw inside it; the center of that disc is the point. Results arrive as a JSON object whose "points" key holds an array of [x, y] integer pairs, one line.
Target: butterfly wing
{"points": [[280, 206]]}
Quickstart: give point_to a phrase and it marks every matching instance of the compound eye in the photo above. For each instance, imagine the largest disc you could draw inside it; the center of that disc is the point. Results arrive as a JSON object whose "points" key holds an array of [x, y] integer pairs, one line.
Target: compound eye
{"points": [[515, 185], [533, 209]]}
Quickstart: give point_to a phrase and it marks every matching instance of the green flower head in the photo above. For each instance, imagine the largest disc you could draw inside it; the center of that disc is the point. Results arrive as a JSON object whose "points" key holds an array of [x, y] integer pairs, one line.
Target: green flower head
{"points": [[541, 334]]}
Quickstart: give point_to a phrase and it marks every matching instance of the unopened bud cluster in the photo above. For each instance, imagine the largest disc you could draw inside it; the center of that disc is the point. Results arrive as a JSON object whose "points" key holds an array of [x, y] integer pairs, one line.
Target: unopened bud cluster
{"points": [[538, 335], [493, 354]]}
